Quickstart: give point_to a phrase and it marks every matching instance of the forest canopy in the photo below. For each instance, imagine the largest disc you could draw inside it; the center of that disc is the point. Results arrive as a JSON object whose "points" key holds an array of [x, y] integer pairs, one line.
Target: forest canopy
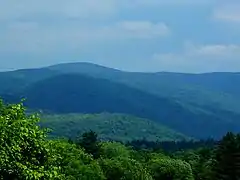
{"points": [[27, 153]]}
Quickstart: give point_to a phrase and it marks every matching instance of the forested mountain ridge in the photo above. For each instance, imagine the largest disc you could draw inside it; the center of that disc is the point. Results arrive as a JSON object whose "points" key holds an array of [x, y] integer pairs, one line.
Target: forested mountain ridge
{"points": [[187, 103], [16, 81], [211, 90], [109, 126], [75, 93], [217, 89]]}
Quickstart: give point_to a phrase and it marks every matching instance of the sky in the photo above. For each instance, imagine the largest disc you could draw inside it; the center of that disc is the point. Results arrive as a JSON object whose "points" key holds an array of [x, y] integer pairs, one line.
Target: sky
{"points": [[192, 36]]}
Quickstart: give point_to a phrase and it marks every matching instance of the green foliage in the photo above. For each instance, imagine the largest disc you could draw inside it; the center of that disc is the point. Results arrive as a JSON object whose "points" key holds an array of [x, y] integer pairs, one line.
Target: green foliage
{"points": [[118, 127], [227, 158], [200, 161], [123, 168], [24, 152], [75, 163], [165, 168], [114, 150], [117, 163], [89, 141]]}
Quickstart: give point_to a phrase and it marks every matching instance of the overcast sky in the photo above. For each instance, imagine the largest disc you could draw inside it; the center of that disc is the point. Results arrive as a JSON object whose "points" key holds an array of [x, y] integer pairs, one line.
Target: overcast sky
{"points": [[133, 35]]}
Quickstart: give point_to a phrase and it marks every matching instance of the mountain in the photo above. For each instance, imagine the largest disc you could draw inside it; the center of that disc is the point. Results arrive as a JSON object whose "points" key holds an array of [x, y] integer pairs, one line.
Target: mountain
{"points": [[211, 90], [76, 93], [199, 105], [120, 127], [86, 68], [15, 81]]}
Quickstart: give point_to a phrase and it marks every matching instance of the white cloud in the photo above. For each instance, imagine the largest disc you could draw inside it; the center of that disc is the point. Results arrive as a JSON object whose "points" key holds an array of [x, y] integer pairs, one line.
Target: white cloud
{"points": [[173, 2], [14, 9], [214, 50], [201, 58], [139, 29], [43, 26], [228, 12], [37, 38]]}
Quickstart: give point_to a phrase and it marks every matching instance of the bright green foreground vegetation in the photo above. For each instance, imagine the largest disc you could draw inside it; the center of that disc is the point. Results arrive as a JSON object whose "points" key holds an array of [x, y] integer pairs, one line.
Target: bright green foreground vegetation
{"points": [[26, 153], [118, 127]]}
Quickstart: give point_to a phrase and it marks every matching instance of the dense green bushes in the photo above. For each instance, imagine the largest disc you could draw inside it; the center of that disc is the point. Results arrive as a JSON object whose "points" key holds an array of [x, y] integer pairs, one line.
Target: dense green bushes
{"points": [[26, 153]]}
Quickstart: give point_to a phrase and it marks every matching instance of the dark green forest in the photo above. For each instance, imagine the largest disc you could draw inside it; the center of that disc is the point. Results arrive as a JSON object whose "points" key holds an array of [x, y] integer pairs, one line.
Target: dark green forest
{"points": [[26, 152], [109, 126]]}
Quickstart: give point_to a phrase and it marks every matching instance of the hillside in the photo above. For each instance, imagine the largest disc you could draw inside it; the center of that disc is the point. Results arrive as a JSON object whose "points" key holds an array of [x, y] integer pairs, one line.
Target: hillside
{"points": [[15, 81], [211, 90], [200, 105], [75, 93], [118, 127]]}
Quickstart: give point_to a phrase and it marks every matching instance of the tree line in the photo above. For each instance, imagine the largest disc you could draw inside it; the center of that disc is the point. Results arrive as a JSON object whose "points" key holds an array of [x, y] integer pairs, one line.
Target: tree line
{"points": [[27, 153]]}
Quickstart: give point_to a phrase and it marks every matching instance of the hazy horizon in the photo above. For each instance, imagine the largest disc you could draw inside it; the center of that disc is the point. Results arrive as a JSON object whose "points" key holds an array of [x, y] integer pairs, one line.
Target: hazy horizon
{"points": [[139, 36], [46, 66]]}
